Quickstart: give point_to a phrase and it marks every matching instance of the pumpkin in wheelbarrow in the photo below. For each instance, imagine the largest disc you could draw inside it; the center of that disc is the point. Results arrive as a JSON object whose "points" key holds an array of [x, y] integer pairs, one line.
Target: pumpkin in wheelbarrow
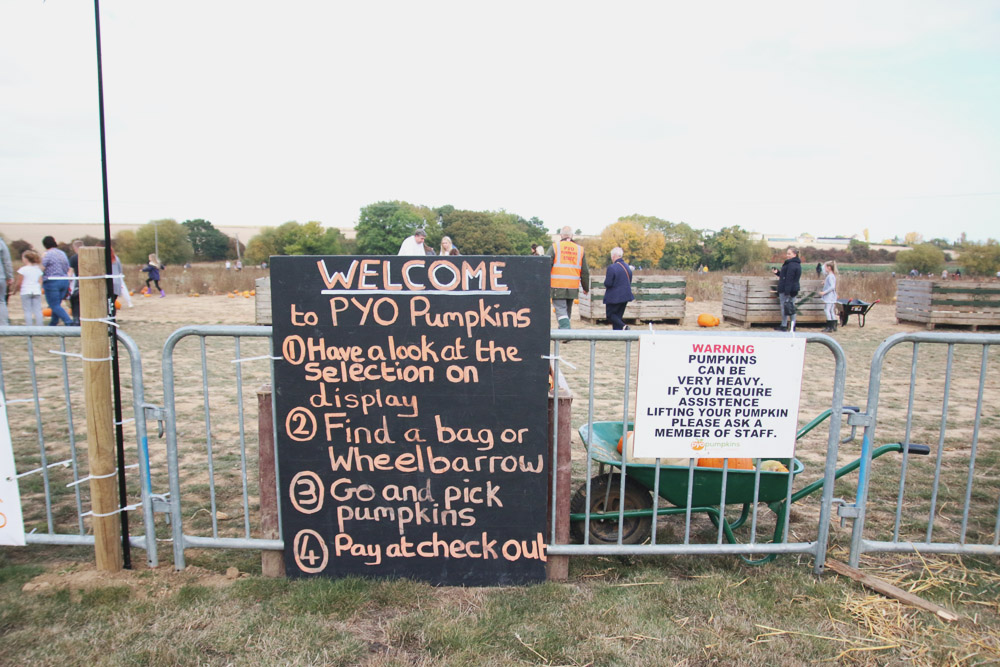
{"points": [[734, 464]]}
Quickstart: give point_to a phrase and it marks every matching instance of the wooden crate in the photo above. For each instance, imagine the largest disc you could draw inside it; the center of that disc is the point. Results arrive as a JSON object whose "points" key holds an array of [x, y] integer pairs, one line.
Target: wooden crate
{"points": [[749, 300], [262, 301], [953, 302], [657, 299]]}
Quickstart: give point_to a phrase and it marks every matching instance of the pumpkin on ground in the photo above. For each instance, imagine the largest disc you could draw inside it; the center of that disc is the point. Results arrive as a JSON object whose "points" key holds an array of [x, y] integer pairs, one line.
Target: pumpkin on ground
{"points": [[706, 320], [46, 312], [734, 464]]}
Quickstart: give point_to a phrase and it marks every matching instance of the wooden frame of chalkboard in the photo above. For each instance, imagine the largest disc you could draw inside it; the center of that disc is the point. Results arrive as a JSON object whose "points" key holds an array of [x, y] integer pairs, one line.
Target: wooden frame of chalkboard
{"points": [[410, 398]]}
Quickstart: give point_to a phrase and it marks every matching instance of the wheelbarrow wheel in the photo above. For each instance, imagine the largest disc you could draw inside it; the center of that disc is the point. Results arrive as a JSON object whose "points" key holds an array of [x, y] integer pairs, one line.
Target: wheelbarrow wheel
{"points": [[604, 494]]}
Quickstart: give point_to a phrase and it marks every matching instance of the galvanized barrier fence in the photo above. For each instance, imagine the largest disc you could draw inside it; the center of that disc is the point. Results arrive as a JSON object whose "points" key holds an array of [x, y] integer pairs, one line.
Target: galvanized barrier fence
{"points": [[184, 446], [613, 512], [43, 392], [949, 501], [208, 490]]}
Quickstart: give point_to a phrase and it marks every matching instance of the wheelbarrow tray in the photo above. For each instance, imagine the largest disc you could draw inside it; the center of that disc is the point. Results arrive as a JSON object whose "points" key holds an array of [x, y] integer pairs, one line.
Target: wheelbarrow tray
{"points": [[848, 307], [707, 482]]}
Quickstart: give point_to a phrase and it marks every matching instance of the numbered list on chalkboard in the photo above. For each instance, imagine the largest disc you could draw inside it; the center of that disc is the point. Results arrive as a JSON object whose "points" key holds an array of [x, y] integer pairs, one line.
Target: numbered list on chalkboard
{"points": [[411, 410]]}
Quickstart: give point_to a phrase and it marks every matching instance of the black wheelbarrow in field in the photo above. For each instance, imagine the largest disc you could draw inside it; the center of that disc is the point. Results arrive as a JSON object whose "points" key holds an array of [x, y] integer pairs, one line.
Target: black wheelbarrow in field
{"points": [[706, 495], [848, 307]]}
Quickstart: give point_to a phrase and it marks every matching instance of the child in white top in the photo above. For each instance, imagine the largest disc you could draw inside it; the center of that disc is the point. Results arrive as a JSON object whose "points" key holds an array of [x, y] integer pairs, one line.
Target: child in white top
{"points": [[29, 283], [829, 295]]}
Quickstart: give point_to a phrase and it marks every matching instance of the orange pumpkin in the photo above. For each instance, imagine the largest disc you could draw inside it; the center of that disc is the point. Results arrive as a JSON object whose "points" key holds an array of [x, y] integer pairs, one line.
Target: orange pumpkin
{"points": [[706, 320], [734, 464], [689, 299], [118, 304], [629, 435], [46, 312]]}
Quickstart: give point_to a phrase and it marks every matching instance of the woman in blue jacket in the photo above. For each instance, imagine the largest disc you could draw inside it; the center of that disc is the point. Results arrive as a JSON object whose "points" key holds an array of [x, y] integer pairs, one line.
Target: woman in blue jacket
{"points": [[618, 281]]}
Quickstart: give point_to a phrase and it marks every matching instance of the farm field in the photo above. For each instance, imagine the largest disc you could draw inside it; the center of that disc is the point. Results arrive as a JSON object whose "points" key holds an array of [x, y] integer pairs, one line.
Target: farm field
{"points": [[56, 608]]}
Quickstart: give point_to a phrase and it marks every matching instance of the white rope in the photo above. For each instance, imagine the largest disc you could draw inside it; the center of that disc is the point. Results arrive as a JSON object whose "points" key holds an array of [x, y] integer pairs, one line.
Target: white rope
{"points": [[10, 401], [79, 356], [51, 465], [127, 508], [114, 275], [105, 320], [110, 474], [266, 356], [125, 421], [560, 359]]}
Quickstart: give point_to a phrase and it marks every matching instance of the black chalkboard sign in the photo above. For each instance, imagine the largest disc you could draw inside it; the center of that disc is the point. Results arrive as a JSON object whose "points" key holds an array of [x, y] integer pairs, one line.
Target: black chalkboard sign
{"points": [[410, 402]]}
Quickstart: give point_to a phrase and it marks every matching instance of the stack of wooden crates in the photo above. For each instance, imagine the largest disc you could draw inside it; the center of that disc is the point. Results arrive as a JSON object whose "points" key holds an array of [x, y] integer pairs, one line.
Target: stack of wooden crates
{"points": [[657, 299], [749, 300], [953, 302]]}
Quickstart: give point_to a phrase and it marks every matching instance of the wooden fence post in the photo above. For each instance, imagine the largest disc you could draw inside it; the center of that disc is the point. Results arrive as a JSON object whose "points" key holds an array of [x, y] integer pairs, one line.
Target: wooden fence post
{"points": [[96, 350], [272, 563], [557, 567]]}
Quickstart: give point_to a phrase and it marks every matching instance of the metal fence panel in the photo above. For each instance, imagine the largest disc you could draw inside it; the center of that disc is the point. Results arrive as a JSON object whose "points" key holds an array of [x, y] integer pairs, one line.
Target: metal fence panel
{"points": [[193, 457], [619, 499], [943, 497], [42, 389], [212, 470]]}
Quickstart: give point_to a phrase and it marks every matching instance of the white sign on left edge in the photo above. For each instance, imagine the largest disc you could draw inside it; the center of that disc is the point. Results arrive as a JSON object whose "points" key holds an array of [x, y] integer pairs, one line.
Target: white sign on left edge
{"points": [[714, 396], [11, 523]]}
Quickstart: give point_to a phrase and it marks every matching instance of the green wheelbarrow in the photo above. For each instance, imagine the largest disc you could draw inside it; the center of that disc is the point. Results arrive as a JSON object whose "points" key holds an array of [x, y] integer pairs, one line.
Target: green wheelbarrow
{"points": [[636, 512]]}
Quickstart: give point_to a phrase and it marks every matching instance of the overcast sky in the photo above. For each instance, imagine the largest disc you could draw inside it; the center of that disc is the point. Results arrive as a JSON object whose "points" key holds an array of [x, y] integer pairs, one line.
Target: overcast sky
{"points": [[783, 118]]}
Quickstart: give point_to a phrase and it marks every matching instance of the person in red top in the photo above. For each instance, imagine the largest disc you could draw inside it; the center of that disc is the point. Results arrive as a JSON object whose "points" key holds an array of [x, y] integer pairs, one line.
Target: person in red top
{"points": [[569, 275]]}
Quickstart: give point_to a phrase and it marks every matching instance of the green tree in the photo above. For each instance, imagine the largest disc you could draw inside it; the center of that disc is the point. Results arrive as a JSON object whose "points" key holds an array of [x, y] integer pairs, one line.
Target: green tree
{"points": [[859, 251], [980, 259], [382, 227], [127, 247], [491, 232], [731, 248], [925, 258], [312, 239], [480, 233], [169, 236], [207, 242], [683, 249]]}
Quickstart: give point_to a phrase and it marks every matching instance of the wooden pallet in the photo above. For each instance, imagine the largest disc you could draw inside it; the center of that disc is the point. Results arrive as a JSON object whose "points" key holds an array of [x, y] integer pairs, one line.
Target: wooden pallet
{"points": [[749, 300], [962, 303], [262, 303], [657, 299]]}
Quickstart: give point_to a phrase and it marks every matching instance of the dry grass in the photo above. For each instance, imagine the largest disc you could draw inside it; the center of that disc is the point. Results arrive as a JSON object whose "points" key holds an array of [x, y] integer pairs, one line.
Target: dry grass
{"points": [[647, 611]]}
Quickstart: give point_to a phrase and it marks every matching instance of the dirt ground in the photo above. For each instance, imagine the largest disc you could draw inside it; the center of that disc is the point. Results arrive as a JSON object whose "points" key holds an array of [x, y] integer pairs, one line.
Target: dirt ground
{"points": [[151, 320]]}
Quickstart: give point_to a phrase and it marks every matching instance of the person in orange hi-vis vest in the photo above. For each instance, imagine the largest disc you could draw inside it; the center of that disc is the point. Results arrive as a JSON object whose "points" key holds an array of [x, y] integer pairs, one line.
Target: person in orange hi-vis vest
{"points": [[569, 275]]}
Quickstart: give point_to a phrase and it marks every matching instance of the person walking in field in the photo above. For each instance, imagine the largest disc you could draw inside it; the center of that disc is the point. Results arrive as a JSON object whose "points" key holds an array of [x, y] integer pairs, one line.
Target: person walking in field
{"points": [[569, 275], [829, 295], [29, 284], [788, 288], [6, 282], [618, 281], [55, 285], [153, 274]]}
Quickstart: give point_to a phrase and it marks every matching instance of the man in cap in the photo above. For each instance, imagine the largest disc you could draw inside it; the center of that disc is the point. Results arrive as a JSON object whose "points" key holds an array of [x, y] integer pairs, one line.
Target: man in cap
{"points": [[569, 275], [414, 245]]}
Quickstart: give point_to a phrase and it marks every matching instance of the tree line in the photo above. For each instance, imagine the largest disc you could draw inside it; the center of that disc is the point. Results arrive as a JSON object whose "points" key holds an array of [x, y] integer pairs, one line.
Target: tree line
{"points": [[648, 242]]}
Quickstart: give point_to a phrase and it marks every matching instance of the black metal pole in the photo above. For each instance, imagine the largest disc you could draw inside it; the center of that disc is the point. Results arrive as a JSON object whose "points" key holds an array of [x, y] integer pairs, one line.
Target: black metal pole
{"points": [[116, 381]]}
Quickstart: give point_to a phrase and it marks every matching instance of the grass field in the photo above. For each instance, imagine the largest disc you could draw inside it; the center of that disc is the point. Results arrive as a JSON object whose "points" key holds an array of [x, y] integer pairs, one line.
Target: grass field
{"points": [[56, 609]]}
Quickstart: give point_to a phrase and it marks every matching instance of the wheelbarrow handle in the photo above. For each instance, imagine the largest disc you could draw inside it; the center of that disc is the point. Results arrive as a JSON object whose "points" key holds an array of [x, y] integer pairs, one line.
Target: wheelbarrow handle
{"points": [[923, 450]]}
